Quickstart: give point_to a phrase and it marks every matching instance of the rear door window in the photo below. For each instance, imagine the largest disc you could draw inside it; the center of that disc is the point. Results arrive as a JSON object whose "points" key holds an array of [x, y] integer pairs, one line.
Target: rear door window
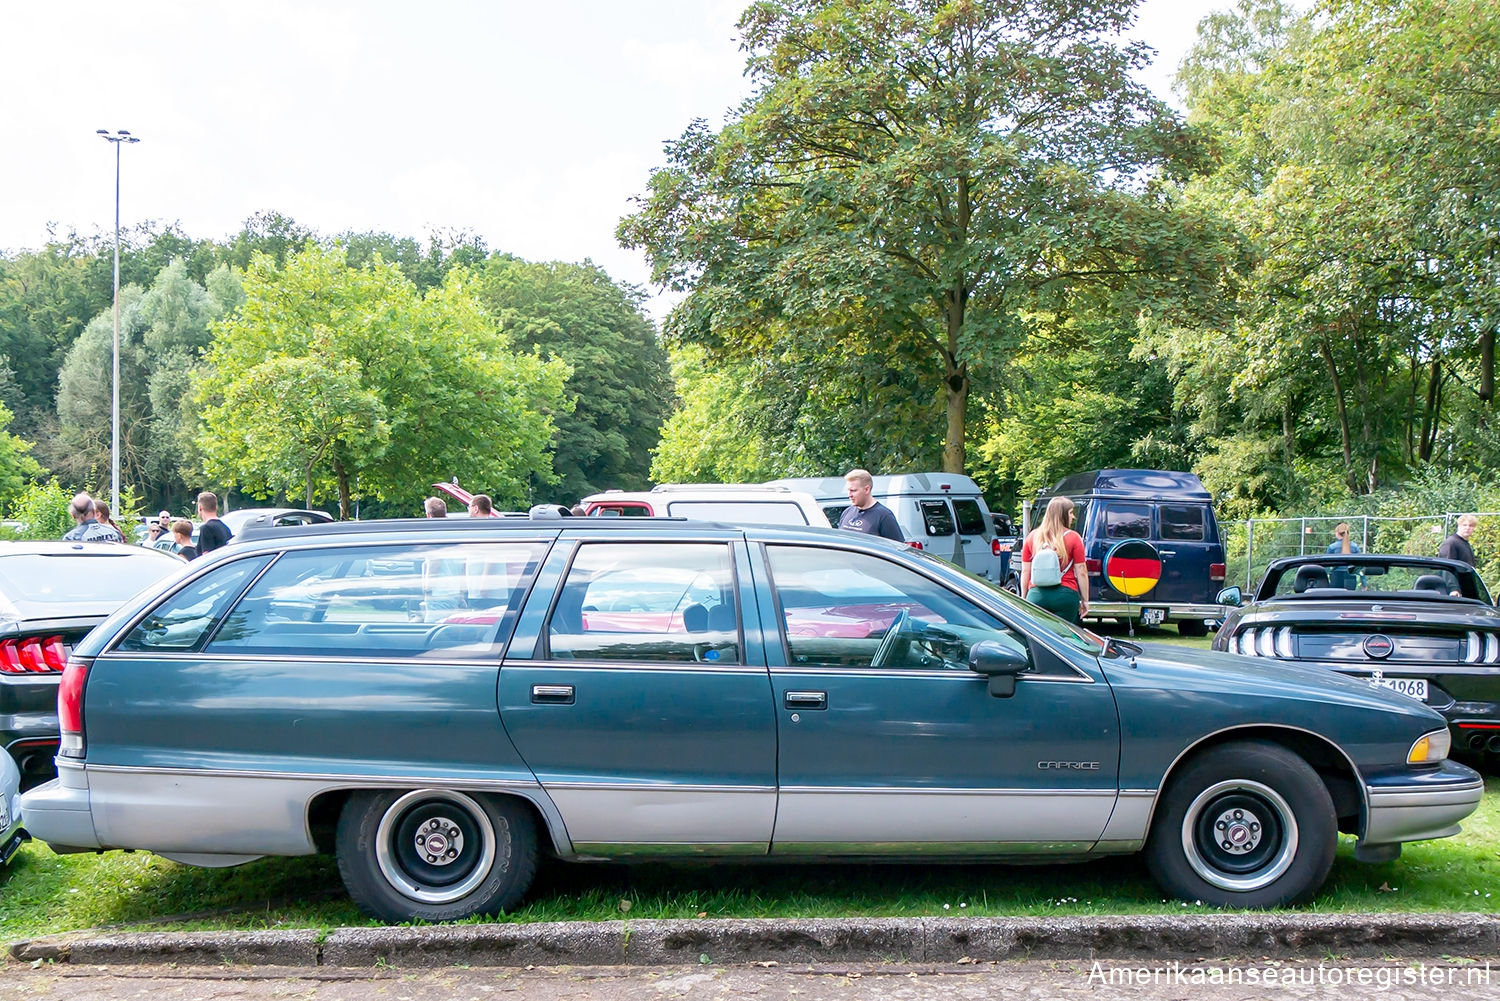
{"points": [[652, 602], [1127, 521], [937, 518], [1182, 522], [970, 517], [621, 509]]}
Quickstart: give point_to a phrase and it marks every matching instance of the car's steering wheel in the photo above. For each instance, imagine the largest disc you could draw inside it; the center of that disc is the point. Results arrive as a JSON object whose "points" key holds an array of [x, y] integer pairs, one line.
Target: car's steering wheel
{"points": [[888, 642]]}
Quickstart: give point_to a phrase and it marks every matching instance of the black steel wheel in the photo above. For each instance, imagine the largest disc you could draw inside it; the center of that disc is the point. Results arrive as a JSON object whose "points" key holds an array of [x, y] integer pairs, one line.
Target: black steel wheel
{"points": [[434, 854], [1247, 824]]}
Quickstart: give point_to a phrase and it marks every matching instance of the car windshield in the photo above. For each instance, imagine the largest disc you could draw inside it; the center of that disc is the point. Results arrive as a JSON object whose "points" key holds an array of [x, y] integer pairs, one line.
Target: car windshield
{"points": [[1078, 636], [1335, 578], [101, 574]]}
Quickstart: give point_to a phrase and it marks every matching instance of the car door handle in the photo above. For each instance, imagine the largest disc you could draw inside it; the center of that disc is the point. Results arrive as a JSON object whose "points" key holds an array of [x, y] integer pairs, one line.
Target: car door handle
{"points": [[552, 695], [805, 700], [1167, 552]]}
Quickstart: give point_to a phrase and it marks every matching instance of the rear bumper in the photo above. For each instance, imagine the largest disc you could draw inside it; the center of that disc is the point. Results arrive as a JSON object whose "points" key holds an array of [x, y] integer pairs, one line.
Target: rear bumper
{"points": [[1175, 610], [1419, 808], [57, 812]]}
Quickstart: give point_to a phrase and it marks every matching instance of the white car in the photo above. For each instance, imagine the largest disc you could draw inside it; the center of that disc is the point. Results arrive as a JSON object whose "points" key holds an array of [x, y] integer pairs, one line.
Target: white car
{"points": [[731, 503], [11, 834]]}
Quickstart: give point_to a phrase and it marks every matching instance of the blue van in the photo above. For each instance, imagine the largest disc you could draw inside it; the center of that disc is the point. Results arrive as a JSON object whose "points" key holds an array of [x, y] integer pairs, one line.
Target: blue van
{"points": [[1172, 511]]}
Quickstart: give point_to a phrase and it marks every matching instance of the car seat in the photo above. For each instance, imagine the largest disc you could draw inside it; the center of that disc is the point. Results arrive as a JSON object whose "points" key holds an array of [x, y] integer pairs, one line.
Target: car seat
{"points": [[1309, 577], [695, 618], [1431, 582]]}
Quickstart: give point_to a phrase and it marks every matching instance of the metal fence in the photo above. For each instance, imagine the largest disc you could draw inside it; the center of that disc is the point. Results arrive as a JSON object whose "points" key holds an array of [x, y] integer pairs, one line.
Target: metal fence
{"points": [[1252, 544]]}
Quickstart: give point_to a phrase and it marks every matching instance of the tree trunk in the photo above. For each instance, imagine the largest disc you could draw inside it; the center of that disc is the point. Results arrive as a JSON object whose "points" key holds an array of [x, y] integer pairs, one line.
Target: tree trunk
{"points": [[343, 478], [308, 479], [1338, 398], [955, 382], [1430, 412]]}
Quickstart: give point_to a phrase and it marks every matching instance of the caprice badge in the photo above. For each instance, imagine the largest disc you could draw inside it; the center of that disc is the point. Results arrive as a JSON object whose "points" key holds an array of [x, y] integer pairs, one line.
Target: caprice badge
{"points": [[1069, 766]]}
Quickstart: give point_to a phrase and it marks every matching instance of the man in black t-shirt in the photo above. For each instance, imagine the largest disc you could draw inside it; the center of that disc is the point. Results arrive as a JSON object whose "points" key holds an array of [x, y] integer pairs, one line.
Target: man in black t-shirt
{"points": [[865, 513], [1456, 546], [212, 533]]}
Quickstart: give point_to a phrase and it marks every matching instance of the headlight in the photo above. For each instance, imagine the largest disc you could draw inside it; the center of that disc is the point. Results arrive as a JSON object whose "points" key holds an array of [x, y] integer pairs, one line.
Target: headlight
{"points": [[1430, 748]]}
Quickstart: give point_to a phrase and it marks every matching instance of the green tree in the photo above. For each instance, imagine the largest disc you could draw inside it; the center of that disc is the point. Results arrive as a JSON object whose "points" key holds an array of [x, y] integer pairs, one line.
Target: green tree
{"points": [[18, 469], [404, 388], [620, 376], [911, 178]]}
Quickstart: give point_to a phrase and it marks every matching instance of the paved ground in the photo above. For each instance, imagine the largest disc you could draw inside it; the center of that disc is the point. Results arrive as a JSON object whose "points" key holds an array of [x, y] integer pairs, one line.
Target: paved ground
{"points": [[1255, 980]]}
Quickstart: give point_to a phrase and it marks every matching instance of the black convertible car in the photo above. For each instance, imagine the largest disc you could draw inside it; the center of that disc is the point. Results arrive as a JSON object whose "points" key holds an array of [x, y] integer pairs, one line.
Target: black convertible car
{"points": [[1423, 626]]}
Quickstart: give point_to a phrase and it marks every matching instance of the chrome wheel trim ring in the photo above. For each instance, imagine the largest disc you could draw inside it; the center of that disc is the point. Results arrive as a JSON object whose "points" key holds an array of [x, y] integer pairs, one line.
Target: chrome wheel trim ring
{"points": [[1265, 875], [401, 880]]}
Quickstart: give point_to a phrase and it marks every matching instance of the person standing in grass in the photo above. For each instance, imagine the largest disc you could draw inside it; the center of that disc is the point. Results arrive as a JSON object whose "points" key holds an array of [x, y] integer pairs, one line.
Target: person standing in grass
{"points": [[1050, 558], [1456, 546]]}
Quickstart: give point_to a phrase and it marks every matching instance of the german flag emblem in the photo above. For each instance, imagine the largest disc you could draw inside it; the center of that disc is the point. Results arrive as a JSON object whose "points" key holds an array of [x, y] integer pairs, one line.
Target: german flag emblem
{"points": [[1132, 567]]}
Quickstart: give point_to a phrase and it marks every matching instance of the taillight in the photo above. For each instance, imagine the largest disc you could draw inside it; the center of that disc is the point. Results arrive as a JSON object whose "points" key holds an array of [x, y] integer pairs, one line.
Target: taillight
{"points": [[70, 708], [1216, 571], [995, 549], [33, 655], [915, 544], [1094, 566]]}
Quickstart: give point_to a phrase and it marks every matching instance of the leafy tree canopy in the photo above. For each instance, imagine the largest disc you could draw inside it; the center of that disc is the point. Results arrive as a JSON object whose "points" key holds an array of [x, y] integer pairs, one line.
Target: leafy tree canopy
{"points": [[349, 379]]}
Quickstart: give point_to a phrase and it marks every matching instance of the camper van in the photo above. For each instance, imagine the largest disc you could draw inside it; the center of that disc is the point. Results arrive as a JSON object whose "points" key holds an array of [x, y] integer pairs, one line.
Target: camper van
{"points": [[941, 513], [1172, 511]]}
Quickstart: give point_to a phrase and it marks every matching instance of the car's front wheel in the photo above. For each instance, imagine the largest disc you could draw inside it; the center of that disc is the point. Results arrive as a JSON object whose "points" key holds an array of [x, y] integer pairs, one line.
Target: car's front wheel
{"points": [[1248, 824], [434, 854]]}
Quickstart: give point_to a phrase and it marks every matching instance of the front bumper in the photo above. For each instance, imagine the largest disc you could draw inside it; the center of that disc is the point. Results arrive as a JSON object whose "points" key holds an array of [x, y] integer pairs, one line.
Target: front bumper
{"points": [[1415, 807]]}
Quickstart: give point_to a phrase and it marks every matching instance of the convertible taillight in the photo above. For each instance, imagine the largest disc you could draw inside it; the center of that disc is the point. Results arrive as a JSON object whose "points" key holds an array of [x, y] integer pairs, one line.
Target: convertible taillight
{"points": [[1481, 648], [33, 655], [1266, 641]]}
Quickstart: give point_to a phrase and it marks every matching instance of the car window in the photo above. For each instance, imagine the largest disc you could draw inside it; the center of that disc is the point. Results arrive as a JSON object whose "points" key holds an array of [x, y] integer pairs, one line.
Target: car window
{"points": [[936, 517], [405, 601], [970, 517], [1181, 522], [835, 512], [846, 609], [1127, 521], [664, 602], [1316, 579], [182, 621], [619, 509], [766, 512]]}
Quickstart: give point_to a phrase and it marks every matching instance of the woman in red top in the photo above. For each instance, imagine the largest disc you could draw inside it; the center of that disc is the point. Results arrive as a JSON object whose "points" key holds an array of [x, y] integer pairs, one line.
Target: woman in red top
{"points": [[1070, 599]]}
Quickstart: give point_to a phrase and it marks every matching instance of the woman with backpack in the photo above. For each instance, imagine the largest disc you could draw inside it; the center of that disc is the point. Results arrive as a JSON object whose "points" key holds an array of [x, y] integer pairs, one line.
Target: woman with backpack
{"points": [[1049, 561]]}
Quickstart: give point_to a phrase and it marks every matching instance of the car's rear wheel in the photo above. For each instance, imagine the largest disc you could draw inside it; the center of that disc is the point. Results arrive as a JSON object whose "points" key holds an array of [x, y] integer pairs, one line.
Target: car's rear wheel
{"points": [[434, 854], [1247, 824], [1192, 627]]}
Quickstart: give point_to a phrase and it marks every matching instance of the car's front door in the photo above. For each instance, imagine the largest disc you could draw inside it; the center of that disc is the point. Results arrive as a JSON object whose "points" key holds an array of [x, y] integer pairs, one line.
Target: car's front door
{"points": [[889, 743], [640, 703]]}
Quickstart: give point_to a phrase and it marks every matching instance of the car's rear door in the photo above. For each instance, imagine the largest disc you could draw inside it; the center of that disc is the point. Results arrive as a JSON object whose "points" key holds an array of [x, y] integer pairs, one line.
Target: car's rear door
{"points": [[640, 701], [975, 536], [1187, 539]]}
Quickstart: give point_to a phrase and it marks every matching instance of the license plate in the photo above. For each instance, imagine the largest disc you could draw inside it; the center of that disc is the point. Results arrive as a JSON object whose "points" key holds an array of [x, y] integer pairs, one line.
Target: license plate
{"points": [[1153, 616], [1415, 687]]}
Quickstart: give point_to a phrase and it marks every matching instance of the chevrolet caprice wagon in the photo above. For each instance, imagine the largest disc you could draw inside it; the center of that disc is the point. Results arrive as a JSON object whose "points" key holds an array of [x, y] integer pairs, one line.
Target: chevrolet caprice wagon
{"points": [[438, 703]]}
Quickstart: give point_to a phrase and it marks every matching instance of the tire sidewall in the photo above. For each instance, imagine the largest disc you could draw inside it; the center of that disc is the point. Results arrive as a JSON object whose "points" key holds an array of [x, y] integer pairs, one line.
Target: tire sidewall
{"points": [[510, 874], [1281, 771]]}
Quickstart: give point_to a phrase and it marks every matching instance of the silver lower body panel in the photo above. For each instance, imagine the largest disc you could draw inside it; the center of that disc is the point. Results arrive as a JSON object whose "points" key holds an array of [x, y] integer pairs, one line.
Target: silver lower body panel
{"points": [[1398, 815]]}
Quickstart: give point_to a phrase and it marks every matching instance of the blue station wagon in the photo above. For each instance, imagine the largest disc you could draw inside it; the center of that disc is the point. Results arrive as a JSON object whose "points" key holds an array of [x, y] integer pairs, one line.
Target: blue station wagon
{"points": [[438, 703]]}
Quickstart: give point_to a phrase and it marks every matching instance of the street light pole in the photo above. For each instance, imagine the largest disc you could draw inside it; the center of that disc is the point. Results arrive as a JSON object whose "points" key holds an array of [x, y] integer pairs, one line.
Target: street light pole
{"points": [[119, 138]]}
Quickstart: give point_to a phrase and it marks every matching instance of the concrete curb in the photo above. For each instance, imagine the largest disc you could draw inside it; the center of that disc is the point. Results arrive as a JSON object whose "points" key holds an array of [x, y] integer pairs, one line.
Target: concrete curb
{"points": [[796, 941]]}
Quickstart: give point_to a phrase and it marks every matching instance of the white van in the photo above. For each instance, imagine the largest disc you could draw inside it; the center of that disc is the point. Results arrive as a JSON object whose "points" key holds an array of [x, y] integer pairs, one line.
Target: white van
{"points": [[942, 513], [732, 503]]}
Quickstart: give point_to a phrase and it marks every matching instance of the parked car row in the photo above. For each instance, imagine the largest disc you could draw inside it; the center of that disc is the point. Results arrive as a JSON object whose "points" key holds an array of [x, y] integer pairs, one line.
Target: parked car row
{"points": [[648, 688]]}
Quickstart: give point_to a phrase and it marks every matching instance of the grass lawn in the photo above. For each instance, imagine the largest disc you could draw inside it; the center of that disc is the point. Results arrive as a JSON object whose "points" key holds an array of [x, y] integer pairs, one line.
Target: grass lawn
{"points": [[41, 893]]}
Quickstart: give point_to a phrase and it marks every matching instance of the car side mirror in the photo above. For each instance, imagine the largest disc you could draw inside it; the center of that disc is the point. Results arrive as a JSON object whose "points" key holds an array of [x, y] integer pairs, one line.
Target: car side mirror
{"points": [[1232, 596], [1001, 662]]}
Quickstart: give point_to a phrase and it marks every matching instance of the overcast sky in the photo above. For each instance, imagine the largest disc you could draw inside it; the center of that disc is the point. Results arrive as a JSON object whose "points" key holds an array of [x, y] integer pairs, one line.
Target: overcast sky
{"points": [[530, 124]]}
